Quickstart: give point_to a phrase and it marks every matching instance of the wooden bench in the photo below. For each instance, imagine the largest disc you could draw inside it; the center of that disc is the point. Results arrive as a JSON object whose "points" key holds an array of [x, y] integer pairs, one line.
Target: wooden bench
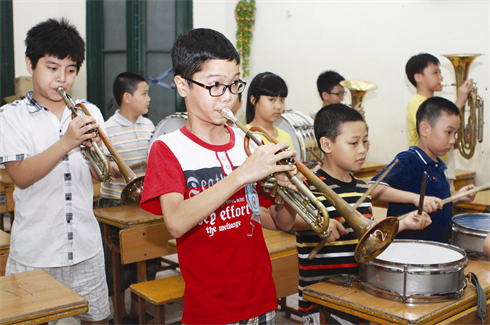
{"points": [[139, 244], [159, 293]]}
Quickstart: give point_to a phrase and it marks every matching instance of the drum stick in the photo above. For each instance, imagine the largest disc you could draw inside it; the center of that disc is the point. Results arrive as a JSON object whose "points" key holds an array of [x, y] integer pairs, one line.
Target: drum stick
{"points": [[355, 206], [456, 197], [422, 193]]}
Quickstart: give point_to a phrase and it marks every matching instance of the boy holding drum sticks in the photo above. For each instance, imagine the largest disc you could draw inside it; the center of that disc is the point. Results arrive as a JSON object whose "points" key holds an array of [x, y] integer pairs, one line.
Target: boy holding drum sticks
{"points": [[437, 125], [342, 135]]}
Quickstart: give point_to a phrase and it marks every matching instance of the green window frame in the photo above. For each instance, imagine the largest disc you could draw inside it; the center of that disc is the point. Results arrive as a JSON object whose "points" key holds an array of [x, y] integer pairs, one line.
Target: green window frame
{"points": [[7, 67], [136, 50]]}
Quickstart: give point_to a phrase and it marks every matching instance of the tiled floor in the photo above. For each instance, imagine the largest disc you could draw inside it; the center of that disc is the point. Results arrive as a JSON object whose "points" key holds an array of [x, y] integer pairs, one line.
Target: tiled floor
{"points": [[173, 311]]}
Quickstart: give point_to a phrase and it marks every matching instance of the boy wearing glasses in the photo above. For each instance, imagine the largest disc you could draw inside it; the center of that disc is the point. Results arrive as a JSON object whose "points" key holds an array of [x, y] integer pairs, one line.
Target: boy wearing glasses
{"points": [[330, 90], [200, 179]]}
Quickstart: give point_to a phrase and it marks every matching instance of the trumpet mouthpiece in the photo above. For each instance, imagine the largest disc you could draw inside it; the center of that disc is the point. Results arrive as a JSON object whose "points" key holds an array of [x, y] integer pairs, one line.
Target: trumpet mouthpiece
{"points": [[228, 114], [61, 91]]}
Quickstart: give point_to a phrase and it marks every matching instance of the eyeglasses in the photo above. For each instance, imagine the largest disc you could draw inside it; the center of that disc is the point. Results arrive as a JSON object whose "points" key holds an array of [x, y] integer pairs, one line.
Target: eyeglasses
{"points": [[340, 93], [217, 89]]}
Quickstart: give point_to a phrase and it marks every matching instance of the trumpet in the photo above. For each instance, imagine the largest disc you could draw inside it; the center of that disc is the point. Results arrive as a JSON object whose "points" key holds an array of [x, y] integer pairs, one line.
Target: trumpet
{"points": [[461, 64], [358, 89], [131, 193], [373, 238]]}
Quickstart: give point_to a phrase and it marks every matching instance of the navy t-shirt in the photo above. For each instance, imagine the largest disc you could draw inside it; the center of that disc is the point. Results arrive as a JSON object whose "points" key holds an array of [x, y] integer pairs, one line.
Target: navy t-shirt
{"points": [[407, 176]]}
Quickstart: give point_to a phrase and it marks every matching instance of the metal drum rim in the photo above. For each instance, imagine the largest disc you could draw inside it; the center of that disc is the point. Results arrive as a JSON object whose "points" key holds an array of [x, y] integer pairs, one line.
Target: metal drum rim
{"points": [[462, 262], [467, 230], [392, 295]]}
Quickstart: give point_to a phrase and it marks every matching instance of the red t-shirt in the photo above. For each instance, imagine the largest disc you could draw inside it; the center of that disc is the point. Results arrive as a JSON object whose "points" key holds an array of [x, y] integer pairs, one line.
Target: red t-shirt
{"points": [[224, 260]]}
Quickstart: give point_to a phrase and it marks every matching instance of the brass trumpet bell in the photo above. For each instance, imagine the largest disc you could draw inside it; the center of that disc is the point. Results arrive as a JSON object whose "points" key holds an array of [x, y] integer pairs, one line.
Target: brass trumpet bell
{"points": [[131, 193], [358, 89], [373, 237]]}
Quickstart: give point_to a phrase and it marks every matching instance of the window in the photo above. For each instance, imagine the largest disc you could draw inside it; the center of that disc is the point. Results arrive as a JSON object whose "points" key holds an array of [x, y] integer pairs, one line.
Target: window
{"points": [[7, 67], [135, 36]]}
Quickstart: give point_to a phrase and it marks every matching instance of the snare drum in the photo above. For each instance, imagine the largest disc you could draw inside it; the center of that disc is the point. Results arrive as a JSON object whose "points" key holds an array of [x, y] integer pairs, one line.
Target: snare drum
{"points": [[470, 231], [416, 271], [300, 127], [169, 124]]}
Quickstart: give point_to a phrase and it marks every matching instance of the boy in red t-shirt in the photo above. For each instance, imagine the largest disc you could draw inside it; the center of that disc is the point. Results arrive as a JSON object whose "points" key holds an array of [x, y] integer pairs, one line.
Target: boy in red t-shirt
{"points": [[200, 179]]}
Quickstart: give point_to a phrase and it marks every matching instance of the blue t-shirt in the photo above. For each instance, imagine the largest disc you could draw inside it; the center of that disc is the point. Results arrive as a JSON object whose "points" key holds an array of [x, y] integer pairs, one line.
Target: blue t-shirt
{"points": [[407, 176]]}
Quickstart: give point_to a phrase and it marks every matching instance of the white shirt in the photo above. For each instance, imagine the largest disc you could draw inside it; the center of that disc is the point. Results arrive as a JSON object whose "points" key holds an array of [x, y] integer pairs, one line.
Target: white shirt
{"points": [[54, 222]]}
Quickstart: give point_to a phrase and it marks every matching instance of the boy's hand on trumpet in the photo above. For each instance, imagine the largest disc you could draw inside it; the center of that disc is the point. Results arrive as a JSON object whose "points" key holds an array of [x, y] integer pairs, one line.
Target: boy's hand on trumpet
{"points": [[466, 199], [263, 162], [431, 203], [76, 134], [415, 221]]}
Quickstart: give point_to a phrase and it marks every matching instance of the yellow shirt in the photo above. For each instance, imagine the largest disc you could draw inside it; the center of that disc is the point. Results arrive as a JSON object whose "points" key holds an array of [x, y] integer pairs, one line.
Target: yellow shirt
{"points": [[282, 136], [412, 108]]}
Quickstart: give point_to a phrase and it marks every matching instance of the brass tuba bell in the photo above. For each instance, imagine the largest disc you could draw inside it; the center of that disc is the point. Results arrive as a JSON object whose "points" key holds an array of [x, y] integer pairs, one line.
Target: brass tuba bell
{"points": [[358, 89], [461, 64]]}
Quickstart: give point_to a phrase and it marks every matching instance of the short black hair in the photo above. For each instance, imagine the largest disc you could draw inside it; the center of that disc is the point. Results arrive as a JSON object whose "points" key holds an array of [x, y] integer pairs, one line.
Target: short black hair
{"points": [[327, 80], [417, 64], [266, 84], [57, 38], [196, 46], [126, 82], [432, 108], [330, 119]]}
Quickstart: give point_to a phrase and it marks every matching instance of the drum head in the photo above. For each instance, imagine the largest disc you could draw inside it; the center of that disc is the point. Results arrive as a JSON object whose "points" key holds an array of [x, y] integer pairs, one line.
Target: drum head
{"points": [[420, 253], [169, 124], [473, 221]]}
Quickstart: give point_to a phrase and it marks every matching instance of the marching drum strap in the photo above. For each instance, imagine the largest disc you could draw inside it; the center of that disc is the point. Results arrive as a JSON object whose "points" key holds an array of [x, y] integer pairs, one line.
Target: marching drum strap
{"points": [[481, 297]]}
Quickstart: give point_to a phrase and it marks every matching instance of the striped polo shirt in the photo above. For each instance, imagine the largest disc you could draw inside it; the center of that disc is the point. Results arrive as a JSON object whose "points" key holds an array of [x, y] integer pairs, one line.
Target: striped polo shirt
{"points": [[131, 141]]}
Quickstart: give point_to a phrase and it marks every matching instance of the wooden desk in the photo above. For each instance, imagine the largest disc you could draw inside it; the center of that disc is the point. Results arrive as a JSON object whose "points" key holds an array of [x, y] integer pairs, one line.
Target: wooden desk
{"points": [[122, 218], [370, 169], [358, 302], [35, 297], [480, 204], [4, 251]]}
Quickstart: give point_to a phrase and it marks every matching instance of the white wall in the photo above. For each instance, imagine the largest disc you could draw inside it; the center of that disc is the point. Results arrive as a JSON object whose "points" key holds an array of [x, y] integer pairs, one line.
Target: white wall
{"points": [[369, 41], [28, 13], [363, 40]]}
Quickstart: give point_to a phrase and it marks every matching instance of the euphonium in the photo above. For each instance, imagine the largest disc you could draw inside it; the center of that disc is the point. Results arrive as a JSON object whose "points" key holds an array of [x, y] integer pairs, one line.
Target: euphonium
{"points": [[358, 89], [373, 237], [131, 193], [461, 64]]}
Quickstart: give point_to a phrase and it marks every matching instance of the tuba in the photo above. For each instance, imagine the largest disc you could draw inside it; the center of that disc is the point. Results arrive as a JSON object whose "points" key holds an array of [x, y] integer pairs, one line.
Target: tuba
{"points": [[374, 238], [461, 64], [131, 193], [358, 89]]}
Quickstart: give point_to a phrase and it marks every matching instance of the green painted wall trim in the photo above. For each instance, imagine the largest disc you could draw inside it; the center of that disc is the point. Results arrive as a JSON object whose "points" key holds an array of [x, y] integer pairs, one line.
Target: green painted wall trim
{"points": [[95, 57], [183, 22], [7, 67]]}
